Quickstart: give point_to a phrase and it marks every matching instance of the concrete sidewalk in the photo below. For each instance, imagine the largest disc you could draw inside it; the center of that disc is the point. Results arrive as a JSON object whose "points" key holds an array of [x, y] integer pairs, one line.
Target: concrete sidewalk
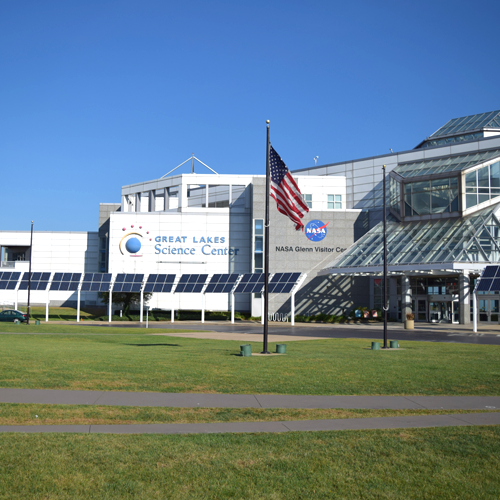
{"points": [[193, 400], [411, 422]]}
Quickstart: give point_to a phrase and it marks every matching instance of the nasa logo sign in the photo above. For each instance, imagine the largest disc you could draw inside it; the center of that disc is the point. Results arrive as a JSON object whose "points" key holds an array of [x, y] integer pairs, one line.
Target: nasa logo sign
{"points": [[316, 230]]}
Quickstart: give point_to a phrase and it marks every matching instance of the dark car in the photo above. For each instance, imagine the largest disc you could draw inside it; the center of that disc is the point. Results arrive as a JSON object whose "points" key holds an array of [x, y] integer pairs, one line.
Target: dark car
{"points": [[12, 315]]}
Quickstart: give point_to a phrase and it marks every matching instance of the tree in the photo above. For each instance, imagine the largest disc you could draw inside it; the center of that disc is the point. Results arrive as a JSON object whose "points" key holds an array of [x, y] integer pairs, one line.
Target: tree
{"points": [[125, 299]]}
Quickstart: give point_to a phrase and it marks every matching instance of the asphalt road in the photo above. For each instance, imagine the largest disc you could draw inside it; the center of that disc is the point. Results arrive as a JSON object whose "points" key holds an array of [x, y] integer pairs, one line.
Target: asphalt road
{"points": [[489, 335]]}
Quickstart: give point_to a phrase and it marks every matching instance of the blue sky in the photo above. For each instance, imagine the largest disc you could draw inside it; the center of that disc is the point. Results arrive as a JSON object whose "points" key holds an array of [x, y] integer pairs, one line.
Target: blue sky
{"points": [[99, 94]]}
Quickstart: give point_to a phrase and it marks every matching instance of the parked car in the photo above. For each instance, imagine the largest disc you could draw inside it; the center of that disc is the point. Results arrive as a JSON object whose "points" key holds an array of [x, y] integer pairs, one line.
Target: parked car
{"points": [[12, 314]]}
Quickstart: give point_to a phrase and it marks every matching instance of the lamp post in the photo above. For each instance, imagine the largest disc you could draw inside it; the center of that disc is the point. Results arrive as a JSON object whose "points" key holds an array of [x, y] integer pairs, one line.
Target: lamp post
{"points": [[29, 274]]}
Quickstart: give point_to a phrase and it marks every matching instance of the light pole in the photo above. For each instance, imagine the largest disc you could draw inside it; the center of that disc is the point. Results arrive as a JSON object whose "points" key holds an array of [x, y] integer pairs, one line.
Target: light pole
{"points": [[29, 274]]}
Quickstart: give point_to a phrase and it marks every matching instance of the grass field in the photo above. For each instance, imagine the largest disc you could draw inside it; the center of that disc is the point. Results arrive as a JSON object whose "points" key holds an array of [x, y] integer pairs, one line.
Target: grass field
{"points": [[447, 463], [134, 361]]}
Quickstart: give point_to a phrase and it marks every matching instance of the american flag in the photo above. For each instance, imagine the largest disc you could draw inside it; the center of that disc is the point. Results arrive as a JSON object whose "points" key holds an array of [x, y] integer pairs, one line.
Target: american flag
{"points": [[285, 191]]}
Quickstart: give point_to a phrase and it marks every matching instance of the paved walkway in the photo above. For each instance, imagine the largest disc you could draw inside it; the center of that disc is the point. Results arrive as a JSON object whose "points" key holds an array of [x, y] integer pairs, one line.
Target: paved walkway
{"points": [[180, 400], [298, 425], [194, 400]]}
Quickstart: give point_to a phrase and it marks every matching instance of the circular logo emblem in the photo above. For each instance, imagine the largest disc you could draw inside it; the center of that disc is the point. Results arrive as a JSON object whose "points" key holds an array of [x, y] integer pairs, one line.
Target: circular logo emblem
{"points": [[316, 230], [133, 245]]}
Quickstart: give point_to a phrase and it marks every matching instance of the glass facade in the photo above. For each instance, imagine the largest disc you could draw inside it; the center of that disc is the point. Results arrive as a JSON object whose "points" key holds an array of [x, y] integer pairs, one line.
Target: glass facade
{"points": [[474, 238], [490, 119], [258, 247], [308, 199], [451, 140], [395, 195], [445, 164], [482, 185], [434, 196]]}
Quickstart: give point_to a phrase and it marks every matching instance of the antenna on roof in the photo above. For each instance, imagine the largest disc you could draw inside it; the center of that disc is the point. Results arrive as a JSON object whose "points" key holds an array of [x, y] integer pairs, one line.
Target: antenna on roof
{"points": [[192, 158]]}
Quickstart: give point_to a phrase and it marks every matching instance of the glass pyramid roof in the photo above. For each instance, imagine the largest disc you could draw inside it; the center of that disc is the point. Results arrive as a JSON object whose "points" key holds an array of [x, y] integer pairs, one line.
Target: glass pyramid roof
{"points": [[422, 244], [467, 123], [444, 164]]}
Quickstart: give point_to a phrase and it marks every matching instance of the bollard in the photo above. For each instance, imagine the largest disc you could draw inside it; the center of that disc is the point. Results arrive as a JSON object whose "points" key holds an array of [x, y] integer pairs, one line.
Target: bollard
{"points": [[37, 322], [281, 348], [246, 350], [394, 344], [375, 346]]}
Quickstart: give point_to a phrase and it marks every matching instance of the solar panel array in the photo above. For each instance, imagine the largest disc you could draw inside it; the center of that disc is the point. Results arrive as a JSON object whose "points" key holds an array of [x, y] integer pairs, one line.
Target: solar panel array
{"points": [[9, 280], [65, 281], [283, 282], [490, 280], [191, 283], [222, 283], [251, 283], [39, 281], [96, 282], [188, 283], [159, 283], [128, 283]]}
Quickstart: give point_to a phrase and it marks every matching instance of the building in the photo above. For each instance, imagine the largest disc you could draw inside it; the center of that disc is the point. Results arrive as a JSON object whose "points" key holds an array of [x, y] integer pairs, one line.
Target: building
{"points": [[443, 228]]}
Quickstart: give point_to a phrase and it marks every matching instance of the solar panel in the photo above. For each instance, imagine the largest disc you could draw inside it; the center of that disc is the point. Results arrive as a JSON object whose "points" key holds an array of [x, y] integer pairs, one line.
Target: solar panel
{"points": [[128, 283], [251, 283], [484, 285], [191, 283], [9, 280], [283, 282], [96, 282], [221, 283], [490, 271], [39, 281], [65, 281], [159, 283]]}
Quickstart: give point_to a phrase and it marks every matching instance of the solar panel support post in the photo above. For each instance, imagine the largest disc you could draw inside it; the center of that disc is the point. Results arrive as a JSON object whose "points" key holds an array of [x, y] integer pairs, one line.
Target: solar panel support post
{"points": [[78, 306], [47, 306], [141, 314], [29, 274], [232, 308], [110, 305], [266, 244], [474, 311], [292, 300], [17, 292], [203, 308], [172, 310]]}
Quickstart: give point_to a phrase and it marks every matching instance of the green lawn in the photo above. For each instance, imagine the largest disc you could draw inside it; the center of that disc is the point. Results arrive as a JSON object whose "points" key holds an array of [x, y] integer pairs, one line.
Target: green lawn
{"points": [[447, 463], [114, 360]]}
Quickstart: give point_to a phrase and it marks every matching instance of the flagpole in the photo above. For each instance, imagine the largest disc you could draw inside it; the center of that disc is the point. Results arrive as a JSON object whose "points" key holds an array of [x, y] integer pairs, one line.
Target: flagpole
{"points": [[385, 308], [266, 246]]}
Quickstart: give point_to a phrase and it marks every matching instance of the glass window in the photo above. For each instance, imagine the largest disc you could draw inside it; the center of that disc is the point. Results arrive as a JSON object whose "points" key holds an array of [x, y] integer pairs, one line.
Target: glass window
{"points": [[308, 200], [334, 201]]}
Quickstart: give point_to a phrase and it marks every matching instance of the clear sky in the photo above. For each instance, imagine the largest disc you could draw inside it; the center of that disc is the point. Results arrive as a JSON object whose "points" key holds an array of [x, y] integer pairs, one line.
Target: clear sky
{"points": [[95, 95]]}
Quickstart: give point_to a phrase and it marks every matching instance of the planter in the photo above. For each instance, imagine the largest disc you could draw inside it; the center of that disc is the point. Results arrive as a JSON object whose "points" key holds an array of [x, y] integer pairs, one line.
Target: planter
{"points": [[410, 324]]}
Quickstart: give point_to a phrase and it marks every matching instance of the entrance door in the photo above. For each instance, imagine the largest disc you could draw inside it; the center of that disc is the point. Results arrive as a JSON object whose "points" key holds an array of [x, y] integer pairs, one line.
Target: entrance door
{"points": [[456, 312], [421, 310], [440, 312], [489, 310]]}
